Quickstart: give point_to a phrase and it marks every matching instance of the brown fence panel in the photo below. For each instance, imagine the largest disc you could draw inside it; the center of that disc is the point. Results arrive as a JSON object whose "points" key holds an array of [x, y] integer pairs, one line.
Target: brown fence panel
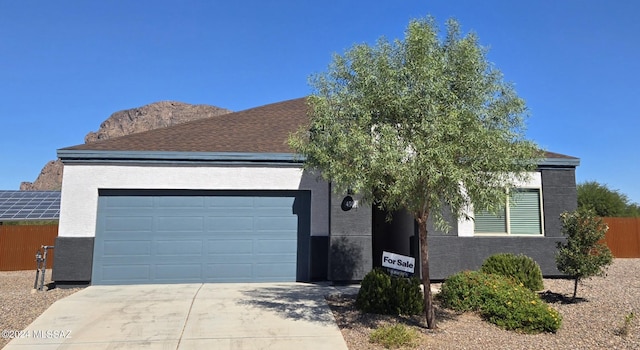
{"points": [[623, 237], [19, 243]]}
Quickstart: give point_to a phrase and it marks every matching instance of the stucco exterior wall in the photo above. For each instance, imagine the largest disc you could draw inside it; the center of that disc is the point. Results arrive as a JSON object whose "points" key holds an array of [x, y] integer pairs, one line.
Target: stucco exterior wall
{"points": [[350, 242], [560, 194], [80, 185], [461, 249]]}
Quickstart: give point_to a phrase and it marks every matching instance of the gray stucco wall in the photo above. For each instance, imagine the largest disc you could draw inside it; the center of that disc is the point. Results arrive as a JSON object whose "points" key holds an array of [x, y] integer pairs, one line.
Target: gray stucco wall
{"points": [[350, 241], [449, 254], [73, 261], [319, 258], [559, 194]]}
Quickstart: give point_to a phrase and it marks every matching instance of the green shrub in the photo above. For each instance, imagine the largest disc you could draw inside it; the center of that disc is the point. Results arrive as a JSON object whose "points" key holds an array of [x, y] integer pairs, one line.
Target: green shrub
{"points": [[464, 291], [394, 336], [373, 296], [406, 296], [500, 300], [521, 268], [381, 293], [584, 254]]}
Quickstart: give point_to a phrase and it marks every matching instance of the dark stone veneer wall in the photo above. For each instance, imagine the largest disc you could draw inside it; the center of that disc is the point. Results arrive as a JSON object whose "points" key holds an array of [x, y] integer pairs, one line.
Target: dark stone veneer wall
{"points": [[449, 255], [73, 262], [350, 240]]}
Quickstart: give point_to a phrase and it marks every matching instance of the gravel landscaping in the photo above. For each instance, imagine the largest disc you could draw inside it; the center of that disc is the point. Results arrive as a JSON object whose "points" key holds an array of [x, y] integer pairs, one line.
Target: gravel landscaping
{"points": [[594, 322], [19, 304]]}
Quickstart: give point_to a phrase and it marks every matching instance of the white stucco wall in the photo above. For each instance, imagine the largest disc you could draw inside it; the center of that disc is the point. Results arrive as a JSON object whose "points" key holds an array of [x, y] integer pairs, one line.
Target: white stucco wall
{"points": [[466, 228], [80, 185]]}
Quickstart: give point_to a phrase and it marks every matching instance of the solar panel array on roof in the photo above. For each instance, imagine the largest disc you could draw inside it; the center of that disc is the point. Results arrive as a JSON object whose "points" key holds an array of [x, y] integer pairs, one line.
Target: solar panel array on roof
{"points": [[29, 205]]}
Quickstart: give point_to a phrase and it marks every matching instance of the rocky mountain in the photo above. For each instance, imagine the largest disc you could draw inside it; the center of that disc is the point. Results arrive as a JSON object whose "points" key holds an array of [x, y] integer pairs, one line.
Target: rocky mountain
{"points": [[152, 116], [50, 178]]}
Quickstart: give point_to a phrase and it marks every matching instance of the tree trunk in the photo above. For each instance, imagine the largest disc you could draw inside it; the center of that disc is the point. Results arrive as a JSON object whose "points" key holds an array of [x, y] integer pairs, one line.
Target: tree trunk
{"points": [[575, 288], [426, 280]]}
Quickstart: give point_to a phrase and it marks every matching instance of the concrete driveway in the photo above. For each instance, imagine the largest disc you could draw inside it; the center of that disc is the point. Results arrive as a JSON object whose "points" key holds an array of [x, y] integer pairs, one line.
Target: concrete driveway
{"points": [[188, 316]]}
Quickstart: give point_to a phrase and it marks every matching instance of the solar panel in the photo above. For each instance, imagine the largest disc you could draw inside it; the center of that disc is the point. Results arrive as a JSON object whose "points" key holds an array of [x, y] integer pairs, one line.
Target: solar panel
{"points": [[29, 205]]}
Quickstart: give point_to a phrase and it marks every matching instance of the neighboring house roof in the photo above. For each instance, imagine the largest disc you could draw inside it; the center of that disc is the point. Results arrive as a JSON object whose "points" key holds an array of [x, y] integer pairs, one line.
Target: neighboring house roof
{"points": [[29, 205], [261, 132]]}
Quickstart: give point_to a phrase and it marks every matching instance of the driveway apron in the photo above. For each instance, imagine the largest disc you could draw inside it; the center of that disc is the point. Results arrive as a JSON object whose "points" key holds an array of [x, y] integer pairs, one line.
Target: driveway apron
{"points": [[188, 316]]}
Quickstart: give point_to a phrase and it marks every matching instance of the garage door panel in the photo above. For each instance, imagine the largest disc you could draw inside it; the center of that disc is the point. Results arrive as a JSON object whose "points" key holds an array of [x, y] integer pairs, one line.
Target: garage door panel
{"points": [[137, 202], [126, 272], [274, 213], [123, 212], [183, 247], [260, 259], [276, 246], [126, 248], [180, 223], [180, 202], [169, 272], [217, 212], [264, 223], [236, 236], [273, 202], [230, 202], [137, 224], [229, 247], [234, 259], [226, 224]]}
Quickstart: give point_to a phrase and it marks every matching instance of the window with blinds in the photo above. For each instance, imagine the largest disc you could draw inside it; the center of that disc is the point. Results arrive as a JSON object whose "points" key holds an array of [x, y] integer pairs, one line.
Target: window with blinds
{"points": [[522, 215]]}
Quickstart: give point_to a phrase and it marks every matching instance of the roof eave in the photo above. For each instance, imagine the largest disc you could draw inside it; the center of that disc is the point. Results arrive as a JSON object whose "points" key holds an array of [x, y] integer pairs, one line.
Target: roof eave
{"points": [[170, 157], [559, 162], [69, 156]]}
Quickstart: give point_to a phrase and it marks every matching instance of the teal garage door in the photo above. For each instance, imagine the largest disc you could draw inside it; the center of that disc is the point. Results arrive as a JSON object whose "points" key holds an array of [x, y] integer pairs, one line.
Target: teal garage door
{"points": [[147, 237]]}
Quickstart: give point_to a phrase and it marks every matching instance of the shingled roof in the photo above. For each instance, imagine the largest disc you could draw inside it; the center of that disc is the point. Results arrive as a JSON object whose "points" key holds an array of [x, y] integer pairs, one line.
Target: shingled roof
{"points": [[264, 129]]}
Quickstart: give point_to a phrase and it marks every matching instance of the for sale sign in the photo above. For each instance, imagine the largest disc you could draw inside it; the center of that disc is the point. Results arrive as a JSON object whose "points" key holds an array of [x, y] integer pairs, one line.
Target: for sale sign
{"points": [[398, 262]]}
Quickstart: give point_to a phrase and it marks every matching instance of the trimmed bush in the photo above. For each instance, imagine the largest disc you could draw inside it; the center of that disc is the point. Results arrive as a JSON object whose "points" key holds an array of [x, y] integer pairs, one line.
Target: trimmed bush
{"points": [[374, 293], [500, 300], [467, 291], [381, 293], [407, 296], [521, 268]]}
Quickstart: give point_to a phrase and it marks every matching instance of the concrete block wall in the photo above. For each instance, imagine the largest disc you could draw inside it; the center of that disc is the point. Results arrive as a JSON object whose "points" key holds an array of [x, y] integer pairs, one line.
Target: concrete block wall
{"points": [[350, 240]]}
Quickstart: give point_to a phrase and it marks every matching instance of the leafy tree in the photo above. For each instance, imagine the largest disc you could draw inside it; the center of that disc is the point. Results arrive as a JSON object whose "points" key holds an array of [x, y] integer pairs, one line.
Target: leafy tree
{"points": [[633, 210], [426, 124], [604, 201], [583, 255]]}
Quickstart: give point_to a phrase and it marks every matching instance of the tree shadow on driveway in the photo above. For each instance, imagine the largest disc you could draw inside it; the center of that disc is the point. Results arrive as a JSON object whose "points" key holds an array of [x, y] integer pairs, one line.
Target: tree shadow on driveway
{"points": [[296, 301]]}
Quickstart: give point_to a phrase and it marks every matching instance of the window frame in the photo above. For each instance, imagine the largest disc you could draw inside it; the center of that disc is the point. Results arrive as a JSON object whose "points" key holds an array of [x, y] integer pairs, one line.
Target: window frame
{"points": [[507, 212]]}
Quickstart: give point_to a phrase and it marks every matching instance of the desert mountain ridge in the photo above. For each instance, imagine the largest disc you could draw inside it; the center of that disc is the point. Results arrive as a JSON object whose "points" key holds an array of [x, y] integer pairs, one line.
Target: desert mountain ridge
{"points": [[152, 116]]}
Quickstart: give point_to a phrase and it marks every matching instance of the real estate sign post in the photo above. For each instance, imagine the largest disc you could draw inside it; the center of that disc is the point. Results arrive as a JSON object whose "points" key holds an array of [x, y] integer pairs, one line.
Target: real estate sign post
{"points": [[399, 265]]}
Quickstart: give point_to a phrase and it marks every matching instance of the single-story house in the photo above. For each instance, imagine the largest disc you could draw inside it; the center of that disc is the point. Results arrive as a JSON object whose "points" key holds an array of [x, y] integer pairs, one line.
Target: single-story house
{"points": [[224, 199]]}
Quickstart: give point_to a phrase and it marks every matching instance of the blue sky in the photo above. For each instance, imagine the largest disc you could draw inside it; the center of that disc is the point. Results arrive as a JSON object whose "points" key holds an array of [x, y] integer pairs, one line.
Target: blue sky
{"points": [[65, 66]]}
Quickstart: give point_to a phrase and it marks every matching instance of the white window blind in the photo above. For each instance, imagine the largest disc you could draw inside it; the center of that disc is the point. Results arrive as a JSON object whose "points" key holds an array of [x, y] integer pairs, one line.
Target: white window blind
{"points": [[523, 216]]}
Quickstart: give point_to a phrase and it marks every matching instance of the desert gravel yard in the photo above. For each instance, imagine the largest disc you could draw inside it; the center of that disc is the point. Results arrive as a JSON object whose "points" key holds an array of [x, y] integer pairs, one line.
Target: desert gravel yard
{"points": [[592, 323], [18, 305]]}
